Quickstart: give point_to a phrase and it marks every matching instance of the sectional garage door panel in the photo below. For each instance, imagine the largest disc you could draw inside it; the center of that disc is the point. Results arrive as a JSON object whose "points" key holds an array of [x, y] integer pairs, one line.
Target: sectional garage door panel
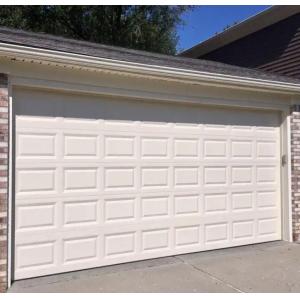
{"points": [[93, 190]]}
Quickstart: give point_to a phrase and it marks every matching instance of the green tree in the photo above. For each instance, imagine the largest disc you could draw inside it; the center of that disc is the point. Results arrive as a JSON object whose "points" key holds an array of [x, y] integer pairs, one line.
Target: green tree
{"points": [[151, 28]]}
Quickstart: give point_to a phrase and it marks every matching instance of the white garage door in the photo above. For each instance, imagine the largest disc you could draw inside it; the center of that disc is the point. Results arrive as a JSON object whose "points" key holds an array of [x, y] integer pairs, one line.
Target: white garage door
{"points": [[102, 182]]}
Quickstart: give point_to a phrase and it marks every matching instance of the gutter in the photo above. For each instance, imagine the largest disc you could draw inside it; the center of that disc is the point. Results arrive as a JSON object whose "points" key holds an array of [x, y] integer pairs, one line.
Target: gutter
{"points": [[159, 72]]}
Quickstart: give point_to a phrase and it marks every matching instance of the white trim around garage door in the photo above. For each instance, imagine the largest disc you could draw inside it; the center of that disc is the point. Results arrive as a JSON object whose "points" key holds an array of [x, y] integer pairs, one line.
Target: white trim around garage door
{"points": [[287, 234], [10, 185]]}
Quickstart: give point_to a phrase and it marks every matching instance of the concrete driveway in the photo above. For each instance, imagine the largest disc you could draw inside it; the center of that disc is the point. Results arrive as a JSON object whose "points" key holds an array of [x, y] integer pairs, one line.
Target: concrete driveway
{"points": [[268, 267]]}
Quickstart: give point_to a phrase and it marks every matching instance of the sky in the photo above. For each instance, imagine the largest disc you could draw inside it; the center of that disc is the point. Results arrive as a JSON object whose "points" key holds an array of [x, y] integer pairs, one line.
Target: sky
{"points": [[205, 20]]}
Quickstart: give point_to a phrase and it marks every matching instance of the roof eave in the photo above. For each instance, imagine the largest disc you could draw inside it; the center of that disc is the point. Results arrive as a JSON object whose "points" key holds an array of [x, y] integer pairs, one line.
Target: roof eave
{"points": [[142, 70]]}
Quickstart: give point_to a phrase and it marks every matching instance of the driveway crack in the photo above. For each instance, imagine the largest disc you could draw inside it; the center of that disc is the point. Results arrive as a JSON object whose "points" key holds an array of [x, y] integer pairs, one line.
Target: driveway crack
{"points": [[210, 275]]}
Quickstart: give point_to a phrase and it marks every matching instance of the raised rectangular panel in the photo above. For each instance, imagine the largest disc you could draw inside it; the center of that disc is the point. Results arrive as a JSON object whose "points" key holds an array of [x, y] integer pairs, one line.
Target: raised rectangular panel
{"points": [[119, 244], [185, 236], [38, 180], [215, 126], [38, 145], [155, 206], [266, 199], [81, 123], [243, 229], [214, 148], [119, 146], [35, 216], [215, 203], [187, 126], [154, 147], [242, 130], [185, 148], [118, 209], [154, 125], [35, 255], [116, 178], [241, 175], [155, 239], [265, 129], [241, 149], [80, 145], [119, 125], [80, 179], [266, 149], [242, 200], [268, 132], [215, 129], [155, 177], [215, 175], [36, 122], [186, 204], [216, 233], [77, 213], [186, 176], [81, 249], [267, 226], [266, 174]]}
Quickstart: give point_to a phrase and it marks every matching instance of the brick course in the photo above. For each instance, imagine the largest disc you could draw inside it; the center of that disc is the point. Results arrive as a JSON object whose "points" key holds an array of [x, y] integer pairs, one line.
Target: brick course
{"points": [[3, 180]]}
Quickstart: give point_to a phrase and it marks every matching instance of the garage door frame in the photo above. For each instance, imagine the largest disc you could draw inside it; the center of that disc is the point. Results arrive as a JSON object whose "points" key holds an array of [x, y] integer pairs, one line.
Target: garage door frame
{"points": [[284, 130]]}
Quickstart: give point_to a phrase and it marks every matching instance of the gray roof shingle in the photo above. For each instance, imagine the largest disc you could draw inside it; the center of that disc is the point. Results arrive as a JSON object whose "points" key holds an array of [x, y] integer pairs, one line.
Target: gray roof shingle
{"points": [[51, 42]]}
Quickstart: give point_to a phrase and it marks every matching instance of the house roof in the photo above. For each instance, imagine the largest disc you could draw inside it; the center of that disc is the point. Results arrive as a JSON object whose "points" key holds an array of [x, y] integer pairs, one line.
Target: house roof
{"points": [[65, 45], [255, 23]]}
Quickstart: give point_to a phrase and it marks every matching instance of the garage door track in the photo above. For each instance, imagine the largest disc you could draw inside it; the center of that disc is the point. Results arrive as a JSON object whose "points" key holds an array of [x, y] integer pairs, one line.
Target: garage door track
{"points": [[268, 267]]}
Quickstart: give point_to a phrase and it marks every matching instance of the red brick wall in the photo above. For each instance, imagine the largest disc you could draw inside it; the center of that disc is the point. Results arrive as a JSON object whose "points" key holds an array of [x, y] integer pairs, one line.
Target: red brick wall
{"points": [[295, 164], [3, 180]]}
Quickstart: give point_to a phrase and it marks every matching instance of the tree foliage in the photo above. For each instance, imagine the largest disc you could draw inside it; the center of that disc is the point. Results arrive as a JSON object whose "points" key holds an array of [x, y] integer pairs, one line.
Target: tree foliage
{"points": [[151, 28]]}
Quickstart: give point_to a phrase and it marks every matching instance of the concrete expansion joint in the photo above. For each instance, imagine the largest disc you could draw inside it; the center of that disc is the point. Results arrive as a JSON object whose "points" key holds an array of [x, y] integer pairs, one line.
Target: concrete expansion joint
{"points": [[210, 275]]}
